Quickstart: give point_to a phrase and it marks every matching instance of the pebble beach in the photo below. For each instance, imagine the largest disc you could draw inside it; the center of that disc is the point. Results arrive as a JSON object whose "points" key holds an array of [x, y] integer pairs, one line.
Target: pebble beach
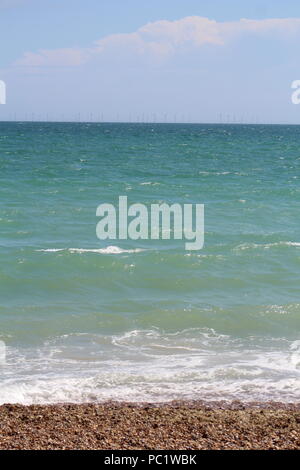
{"points": [[128, 426]]}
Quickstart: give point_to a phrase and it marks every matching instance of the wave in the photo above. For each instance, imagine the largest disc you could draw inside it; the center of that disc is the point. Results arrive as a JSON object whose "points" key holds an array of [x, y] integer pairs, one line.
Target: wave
{"points": [[249, 246], [110, 250], [152, 366]]}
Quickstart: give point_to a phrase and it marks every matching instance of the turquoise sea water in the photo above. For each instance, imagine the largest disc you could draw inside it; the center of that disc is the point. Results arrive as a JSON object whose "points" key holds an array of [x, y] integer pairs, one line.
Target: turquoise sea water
{"points": [[87, 320]]}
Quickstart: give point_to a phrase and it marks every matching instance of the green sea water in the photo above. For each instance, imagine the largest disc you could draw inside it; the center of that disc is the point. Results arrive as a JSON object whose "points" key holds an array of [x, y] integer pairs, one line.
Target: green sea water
{"points": [[87, 320]]}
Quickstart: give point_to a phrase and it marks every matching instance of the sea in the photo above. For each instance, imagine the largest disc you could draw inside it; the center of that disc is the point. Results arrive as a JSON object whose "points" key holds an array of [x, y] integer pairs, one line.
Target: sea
{"points": [[89, 320]]}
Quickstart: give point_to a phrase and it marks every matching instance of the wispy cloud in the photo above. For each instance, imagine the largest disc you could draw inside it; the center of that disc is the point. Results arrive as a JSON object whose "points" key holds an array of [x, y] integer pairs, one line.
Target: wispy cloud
{"points": [[54, 57], [162, 39]]}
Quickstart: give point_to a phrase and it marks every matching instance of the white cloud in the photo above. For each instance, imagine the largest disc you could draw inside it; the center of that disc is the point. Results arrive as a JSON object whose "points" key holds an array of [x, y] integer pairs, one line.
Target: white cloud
{"points": [[159, 40], [55, 58], [195, 30]]}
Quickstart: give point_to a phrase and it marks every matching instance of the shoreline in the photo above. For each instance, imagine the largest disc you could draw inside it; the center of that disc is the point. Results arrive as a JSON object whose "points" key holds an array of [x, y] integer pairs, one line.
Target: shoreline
{"points": [[178, 425]]}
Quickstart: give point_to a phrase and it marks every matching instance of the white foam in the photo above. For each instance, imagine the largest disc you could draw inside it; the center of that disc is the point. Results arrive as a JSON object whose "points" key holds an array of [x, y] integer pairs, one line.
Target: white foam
{"points": [[110, 250], [52, 250], [153, 366], [246, 246]]}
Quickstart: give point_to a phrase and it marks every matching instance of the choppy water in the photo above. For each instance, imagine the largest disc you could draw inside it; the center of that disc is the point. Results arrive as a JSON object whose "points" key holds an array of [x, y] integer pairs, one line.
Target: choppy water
{"points": [[88, 320]]}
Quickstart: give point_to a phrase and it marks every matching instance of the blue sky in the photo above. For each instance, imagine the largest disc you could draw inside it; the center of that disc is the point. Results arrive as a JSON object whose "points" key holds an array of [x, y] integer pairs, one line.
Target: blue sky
{"points": [[166, 60]]}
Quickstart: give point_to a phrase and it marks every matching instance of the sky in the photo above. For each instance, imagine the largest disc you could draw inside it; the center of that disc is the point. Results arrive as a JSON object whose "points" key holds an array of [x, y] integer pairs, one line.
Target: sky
{"points": [[158, 61]]}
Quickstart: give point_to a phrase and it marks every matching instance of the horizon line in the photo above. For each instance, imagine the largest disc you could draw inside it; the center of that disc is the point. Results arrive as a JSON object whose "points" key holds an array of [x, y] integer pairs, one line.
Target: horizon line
{"points": [[249, 123]]}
